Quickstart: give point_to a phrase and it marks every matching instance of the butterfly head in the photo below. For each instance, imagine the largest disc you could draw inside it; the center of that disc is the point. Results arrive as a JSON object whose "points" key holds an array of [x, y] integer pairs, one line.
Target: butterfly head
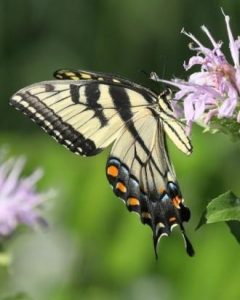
{"points": [[167, 94]]}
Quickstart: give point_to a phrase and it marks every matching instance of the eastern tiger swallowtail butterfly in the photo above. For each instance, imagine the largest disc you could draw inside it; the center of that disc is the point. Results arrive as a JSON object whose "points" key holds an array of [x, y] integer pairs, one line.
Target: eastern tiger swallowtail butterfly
{"points": [[87, 111]]}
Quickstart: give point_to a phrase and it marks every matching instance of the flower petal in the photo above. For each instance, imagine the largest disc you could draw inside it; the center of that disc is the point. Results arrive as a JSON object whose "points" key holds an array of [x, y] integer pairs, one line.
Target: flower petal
{"points": [[233, 45], [19, 200], [194, 60], [227, 108], [199, 108]]}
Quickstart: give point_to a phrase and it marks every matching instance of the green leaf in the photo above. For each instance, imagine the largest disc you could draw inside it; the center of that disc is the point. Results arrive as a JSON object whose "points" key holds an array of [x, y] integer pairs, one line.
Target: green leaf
{"points": [[228, 126], [235, 229], [224, 208]]}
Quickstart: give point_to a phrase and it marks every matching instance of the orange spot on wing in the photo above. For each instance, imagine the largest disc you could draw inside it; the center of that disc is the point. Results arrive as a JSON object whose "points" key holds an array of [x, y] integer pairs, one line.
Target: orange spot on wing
{"points": [[112, 171], [176, 201], [121, 187], [133, 201]]}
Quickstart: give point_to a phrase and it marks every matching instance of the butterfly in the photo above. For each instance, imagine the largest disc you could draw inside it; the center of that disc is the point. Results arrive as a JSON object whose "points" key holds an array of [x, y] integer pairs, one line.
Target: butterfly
{"points": [[87, 111]]}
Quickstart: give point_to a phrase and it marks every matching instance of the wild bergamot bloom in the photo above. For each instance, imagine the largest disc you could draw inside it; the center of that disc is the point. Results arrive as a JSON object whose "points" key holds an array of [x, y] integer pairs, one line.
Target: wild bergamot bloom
{"points": [[210, 96], [19, 200]]}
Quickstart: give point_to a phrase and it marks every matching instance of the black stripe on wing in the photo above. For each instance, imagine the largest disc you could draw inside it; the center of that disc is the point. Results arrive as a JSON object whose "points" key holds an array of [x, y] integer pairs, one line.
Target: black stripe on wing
{"points": [[74, 92], [46, 118], [93, 94]]}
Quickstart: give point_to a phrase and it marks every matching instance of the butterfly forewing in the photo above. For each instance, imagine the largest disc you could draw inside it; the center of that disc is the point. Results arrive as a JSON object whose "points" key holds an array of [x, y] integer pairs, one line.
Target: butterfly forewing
{"points": [[173, 128], [64, 74], [85, 116], [87, 111]]}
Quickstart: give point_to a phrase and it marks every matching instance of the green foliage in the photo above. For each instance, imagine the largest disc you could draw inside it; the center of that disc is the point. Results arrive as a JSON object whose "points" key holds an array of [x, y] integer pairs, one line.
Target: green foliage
{"points": [[224, 208], [227, 126], [235, 229]]}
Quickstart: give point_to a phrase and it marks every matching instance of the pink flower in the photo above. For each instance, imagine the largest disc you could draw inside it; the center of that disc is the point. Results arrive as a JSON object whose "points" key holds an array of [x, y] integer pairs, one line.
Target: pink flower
{"points": [[215, 89], [19, 200]]}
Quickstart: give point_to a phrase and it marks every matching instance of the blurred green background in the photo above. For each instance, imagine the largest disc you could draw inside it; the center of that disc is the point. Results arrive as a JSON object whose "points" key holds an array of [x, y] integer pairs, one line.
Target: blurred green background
{"points": [[94, 249]]}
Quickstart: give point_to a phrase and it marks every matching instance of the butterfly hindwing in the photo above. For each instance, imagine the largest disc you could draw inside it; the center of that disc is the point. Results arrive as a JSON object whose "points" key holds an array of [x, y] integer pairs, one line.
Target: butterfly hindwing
{"points": [[141, 174]]}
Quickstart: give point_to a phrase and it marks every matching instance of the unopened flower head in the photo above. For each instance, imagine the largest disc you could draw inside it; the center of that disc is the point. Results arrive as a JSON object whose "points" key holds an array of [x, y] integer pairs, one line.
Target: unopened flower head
{"points": [[214, 91], [19, 200]]}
